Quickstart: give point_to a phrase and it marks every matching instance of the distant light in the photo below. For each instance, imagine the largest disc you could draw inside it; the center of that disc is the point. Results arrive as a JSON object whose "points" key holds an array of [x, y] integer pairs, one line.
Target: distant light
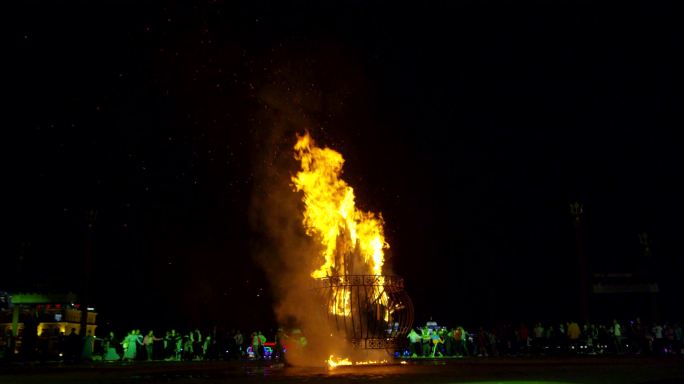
{"points": [[91, 308]]}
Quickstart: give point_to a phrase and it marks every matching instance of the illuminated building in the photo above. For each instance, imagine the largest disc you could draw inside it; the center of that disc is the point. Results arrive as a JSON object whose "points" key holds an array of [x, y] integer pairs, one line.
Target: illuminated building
{"points": [[52, 311]]}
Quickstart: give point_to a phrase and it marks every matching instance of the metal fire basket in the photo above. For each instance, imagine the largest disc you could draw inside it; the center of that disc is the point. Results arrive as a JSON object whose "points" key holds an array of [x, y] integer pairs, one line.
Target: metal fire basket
{"points": [[379, 313]]}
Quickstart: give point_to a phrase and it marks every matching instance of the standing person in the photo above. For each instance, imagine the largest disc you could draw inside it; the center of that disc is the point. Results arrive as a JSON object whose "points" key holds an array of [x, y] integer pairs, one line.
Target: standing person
{"points": [[679, 339], [448, 337], [279, 349], [464, 341], [493, 341], [139, 345], [573, 333], [239, 342], [482, 342], [165, 345], [562, 336], [639, 333], [588, 337], [549, 336], [425, 340], [148, 342], [538, 332], [414, 342], [458, 333], [131, 343], [171, 341], [255, 345], [617, 336], [111, 346], [187, 351], [262, 343], [196, 337], [668, 336], [657, 331], [436, 340], [209, 351], [178, 349], [88, 347], [523, 338], [124, 346]]}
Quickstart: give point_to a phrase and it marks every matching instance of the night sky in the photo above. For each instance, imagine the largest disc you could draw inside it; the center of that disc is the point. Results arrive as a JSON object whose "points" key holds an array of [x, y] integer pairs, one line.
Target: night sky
{"points": [[471, 125]]}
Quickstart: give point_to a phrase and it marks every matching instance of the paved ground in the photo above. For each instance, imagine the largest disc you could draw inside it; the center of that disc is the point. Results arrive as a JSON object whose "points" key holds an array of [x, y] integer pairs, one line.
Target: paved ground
{"points": [[589, 370]]}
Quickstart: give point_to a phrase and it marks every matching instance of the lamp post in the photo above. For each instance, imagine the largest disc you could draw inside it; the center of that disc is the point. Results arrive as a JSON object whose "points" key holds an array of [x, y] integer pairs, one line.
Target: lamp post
{"points": [[576, 209], [649, 273], [91, 217]]}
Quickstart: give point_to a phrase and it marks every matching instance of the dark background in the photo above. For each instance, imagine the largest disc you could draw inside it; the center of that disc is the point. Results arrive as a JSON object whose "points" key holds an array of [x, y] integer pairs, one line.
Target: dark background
{"points": [[471, 125]]}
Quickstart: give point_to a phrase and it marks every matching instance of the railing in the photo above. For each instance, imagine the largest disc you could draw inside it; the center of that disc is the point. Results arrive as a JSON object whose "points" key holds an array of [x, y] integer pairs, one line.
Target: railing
{"points": [[386, 281]]}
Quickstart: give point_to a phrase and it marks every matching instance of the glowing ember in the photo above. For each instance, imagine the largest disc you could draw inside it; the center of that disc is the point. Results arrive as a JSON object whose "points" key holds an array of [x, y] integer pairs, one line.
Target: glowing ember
{"points": [[352, 240], [371, 362], [334, 362]]}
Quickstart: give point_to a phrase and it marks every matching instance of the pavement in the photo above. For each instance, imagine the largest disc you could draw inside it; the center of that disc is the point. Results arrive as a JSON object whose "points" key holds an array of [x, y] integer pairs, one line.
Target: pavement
{"points": [[539, 370]]}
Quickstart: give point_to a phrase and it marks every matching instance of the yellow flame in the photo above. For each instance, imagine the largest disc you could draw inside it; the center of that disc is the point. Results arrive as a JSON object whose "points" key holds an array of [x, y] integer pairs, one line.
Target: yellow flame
{"points": [[334, 362], [342, 303], [370, 362], [330, 216]]}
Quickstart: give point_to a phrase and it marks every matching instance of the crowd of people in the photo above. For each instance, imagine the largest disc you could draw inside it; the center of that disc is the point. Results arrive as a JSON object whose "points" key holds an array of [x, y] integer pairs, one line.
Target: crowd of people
{"points": [[431, 340], [192, 345], [631, 337]]}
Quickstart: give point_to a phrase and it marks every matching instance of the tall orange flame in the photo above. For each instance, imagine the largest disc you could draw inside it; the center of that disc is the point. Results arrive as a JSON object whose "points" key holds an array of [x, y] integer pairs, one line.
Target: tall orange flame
{"points": [[331, 215], [352, 240]]}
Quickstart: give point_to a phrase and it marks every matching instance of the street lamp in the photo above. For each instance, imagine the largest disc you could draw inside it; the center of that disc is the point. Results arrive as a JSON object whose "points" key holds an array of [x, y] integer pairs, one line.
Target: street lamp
{"points": [[576, 209]]}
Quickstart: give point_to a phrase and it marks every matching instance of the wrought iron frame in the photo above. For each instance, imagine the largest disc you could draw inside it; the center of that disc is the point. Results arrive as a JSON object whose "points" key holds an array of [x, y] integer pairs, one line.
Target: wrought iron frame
{"points": [[365, 326]]}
